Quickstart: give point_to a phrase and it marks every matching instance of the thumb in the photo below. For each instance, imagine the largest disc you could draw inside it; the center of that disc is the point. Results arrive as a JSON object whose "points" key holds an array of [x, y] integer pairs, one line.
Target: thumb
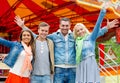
{"points": [[23, 19], [108, 23], [107, 20]]}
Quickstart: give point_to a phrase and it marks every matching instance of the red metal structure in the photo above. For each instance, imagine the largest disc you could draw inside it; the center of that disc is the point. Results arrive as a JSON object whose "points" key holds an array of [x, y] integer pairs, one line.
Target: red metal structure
{"points": [[35, 11]]}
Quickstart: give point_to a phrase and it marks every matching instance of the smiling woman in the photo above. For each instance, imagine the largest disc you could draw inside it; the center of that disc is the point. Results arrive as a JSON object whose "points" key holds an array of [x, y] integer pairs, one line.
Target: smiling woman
{"points": [[26, 37], [19, 58]]}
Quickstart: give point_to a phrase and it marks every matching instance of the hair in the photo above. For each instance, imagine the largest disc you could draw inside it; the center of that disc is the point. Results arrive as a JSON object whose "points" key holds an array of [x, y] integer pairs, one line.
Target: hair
{"points": [[31, 41], [43, 24], [65, 19], [81, 25]]}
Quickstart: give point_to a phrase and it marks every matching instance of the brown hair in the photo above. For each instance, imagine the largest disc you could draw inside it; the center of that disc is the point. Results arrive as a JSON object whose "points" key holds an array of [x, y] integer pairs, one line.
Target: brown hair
{"points": [[43, 24], [64, 19], [31, 41]]}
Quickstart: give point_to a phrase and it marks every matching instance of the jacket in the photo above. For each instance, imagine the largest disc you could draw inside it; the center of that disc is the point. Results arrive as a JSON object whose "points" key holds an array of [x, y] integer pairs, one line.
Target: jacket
{"points": [[88, 48], [60, 49], [51, 50], [15, 50]]}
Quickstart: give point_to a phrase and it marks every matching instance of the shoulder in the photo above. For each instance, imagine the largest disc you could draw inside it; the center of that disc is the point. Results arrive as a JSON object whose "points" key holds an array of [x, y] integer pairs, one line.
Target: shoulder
{"points": [[49, 40], [16, 43]]}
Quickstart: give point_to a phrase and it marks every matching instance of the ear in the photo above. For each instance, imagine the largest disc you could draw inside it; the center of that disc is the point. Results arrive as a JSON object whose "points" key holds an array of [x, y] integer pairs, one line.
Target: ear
{"points": [[59, 25], [38, 30]]}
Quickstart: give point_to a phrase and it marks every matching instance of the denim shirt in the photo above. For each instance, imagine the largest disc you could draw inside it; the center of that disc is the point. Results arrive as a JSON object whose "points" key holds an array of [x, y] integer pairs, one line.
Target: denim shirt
{"points": [[15, 50], [59, 49], [88, 48]]}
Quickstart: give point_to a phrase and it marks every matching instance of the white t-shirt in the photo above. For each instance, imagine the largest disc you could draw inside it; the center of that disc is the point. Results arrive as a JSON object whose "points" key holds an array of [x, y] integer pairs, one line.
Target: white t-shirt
{"points": [[18, 65]]}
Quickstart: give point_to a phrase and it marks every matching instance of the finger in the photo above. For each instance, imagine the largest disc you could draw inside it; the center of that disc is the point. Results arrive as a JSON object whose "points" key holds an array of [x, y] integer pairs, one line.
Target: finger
{"points": [[18, 17], [24, 19], [0, 57], [15, 17], [15, 21], [107, 20], [116, 25], [116, 21]]}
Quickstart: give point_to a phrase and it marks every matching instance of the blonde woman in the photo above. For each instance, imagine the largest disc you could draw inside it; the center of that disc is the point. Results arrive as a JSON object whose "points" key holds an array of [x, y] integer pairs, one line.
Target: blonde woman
{"points": [[87, 70]]}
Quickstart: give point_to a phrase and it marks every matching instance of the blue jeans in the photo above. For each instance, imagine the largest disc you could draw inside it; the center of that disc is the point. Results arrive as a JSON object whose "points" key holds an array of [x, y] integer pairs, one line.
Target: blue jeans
{"points": [[64, 75], [40, 79]]}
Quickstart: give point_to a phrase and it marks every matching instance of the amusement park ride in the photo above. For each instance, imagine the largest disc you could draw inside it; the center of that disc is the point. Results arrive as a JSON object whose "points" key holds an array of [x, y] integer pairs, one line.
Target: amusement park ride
{"points": [[36, 11]]}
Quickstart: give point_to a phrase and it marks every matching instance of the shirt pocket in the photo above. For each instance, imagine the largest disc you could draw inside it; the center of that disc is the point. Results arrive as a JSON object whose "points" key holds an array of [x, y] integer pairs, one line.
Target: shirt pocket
{"points": [[71, 43], [59, 43]]}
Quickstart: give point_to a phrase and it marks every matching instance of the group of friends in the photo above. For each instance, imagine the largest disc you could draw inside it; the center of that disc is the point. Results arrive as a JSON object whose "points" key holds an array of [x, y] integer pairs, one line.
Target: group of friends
{"points": [[61, 57]]}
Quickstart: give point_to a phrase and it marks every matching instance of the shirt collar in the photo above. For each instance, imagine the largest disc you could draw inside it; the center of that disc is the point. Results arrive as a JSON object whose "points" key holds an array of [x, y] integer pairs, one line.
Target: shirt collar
{"points": [[59, 31]]}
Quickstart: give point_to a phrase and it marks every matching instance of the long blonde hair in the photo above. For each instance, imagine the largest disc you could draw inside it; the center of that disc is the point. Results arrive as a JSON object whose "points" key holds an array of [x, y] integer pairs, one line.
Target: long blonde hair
{"points": [[79, 25]]}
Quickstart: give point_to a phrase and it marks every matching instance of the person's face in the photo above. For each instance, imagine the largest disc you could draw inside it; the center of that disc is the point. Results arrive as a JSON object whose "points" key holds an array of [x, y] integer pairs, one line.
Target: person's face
{"points": [[43, 32], [64, 27], [80, 31], [26, 37]]}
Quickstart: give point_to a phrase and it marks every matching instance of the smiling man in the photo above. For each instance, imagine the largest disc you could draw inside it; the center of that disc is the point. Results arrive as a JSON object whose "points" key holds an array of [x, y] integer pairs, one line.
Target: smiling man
{"points": [[64, 50], [43, 63]]}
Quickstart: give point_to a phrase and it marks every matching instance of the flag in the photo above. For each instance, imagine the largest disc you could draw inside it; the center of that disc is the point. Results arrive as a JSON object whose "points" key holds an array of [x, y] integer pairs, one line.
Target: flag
{"points": [[111, 54]]}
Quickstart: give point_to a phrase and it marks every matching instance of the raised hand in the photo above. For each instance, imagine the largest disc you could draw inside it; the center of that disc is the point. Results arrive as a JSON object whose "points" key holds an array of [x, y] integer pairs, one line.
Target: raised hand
{"points": [[19, 21], [106, 4], [112, 24], [2, 57]]}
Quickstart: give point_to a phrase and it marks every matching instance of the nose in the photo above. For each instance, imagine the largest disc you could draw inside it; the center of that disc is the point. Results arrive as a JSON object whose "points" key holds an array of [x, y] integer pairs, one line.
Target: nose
{"points": [[44, 32], [80, 31], [64, 27]]}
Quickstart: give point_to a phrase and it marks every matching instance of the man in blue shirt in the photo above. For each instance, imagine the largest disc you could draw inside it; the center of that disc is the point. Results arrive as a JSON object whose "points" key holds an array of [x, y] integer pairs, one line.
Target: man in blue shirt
{"points": [[65, 55], [64, 51]]}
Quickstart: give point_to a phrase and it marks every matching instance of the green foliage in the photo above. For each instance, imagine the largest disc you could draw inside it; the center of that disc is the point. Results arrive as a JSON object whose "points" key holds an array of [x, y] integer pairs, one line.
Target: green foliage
{"points": [[115, 47]]}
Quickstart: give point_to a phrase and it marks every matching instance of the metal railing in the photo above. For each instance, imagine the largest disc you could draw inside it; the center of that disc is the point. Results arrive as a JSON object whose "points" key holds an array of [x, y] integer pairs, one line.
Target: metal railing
{"points": [[105, 71]]}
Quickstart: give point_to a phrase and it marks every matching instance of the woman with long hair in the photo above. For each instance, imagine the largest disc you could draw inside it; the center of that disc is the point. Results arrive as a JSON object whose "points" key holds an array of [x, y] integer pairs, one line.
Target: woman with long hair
{"points": [[19, 58], [87, 70]]}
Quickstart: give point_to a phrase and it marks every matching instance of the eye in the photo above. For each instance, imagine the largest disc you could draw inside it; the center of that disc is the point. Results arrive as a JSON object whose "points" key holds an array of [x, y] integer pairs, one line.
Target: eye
{"points": [[28, 35], [77, 30], [65, 25], [23, 35], [62, 25], [46, 31], [42, 30]]}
